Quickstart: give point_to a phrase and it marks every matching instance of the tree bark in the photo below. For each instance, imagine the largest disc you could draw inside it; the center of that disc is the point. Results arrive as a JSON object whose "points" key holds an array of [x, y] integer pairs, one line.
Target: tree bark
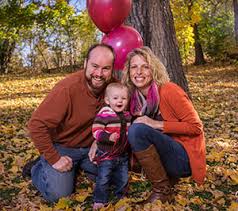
{"points": [[199, 56], [43, 57], [6, 49], [153, 19], [235, 6]]}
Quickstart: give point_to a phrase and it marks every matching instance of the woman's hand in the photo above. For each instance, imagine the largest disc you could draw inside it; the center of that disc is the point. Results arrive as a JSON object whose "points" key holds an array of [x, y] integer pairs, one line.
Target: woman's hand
{"points": [[150, 122]]}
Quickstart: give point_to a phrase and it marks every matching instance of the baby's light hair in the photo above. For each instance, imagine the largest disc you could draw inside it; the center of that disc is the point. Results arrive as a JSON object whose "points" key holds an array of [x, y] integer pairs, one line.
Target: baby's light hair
{"points": [[116, 85]]}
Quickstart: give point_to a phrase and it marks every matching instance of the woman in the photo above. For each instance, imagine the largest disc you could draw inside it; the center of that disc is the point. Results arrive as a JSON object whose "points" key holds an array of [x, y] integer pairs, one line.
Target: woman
{"points": [[167, 135]]}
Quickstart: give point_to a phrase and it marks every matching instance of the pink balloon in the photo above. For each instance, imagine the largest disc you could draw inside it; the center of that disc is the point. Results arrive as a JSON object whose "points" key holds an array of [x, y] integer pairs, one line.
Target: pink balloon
{"points": [[108, 14], [123, 39]]}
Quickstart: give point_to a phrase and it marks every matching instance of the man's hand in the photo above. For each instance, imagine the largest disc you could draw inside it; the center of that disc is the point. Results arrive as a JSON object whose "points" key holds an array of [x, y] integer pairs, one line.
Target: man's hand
{"points": [[64, 164], [92, 151], [114, 137]]}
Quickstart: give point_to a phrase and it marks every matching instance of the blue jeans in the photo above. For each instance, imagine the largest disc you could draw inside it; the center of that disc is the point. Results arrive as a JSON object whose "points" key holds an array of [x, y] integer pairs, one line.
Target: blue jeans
{"points": [[172, 154], [113, 172], [53, 184]]}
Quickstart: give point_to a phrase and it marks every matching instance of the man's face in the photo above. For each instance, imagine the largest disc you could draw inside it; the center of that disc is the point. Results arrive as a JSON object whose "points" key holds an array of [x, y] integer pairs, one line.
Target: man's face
{"points": [[98, 69]]}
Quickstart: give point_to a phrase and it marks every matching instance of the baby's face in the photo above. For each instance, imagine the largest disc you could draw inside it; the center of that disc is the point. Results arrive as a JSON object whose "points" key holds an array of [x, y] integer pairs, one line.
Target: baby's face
{"points": [[117, 98]]}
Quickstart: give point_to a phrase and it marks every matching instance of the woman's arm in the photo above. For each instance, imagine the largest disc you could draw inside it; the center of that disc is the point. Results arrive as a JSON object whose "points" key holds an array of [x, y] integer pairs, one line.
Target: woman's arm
{"points": [[186, 120], [150, 122]]}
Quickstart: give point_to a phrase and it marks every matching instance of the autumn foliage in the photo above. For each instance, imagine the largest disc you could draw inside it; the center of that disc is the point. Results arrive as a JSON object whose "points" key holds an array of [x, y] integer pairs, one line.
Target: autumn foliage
{"points": [[214, 90]]}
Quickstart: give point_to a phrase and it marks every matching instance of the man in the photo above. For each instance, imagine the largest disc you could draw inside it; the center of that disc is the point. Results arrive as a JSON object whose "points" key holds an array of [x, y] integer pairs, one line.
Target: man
{"points": [[61, 126]]}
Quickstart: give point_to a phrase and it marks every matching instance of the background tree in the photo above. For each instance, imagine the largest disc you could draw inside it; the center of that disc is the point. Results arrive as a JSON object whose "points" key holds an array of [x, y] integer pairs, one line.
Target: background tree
{"points": [[187, 15], [54, 35], [203, 27], [216, 29], [153, 19], [47, 34], [14, 19], [235, 6]]}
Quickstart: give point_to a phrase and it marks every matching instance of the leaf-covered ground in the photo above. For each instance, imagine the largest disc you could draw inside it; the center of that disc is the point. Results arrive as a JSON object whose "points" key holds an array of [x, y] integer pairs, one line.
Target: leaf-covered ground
{"points": [[214, 89]]}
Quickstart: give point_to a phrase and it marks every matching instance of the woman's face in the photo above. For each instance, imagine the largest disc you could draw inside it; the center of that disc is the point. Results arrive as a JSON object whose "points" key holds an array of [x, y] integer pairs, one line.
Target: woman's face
{"points": [[140, 73]]}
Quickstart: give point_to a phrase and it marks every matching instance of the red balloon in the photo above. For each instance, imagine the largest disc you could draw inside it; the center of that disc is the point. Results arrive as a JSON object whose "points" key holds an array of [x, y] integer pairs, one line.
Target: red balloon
{"points": [[123, 39], [108, 14]]}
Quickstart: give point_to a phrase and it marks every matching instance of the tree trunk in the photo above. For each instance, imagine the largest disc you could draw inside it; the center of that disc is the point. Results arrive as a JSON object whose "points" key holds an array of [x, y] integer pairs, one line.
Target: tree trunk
{"points": [[43, 57], [199, 56], [153, 19], [6, 50], [235, 5]]}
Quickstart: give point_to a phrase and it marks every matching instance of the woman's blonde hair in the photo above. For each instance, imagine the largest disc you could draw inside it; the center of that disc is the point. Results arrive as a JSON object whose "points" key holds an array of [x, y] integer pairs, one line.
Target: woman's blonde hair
{"points": [[159, 73]]}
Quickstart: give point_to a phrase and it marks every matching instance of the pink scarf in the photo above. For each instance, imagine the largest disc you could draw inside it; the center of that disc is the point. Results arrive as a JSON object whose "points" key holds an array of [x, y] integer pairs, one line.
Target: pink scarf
{"points": [[149, 106]]}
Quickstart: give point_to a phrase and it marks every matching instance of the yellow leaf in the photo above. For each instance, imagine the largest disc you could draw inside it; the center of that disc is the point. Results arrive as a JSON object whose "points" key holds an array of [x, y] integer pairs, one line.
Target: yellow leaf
{"points": [[23, 184], [181, 200], [185, 179], [78, 208], [1, 168], [234, 178], [235, 129], [81, 196], [233, 174], [45, 208], [90, 190], [84, 193], [18, 140], [217, 194], [108, 208], [232, 159], [123, 204], [14, 169], [220, 171], [158, 205], [221, 201], [63, 203], [19, 161], [196, 200], [233, 207], [215, 156]]}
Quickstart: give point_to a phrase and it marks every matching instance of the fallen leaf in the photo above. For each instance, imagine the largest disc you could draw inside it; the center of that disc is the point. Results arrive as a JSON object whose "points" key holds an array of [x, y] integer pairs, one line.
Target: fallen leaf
{"points": [[1, 168], [233, 206]]}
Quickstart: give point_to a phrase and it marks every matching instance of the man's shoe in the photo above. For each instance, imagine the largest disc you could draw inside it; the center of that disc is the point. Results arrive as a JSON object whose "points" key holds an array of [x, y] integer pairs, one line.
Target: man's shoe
{"points": [[26, 171]]}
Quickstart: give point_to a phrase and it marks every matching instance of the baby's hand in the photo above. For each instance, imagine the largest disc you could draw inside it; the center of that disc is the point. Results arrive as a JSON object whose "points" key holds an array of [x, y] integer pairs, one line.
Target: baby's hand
{"points": [[114, 137]]}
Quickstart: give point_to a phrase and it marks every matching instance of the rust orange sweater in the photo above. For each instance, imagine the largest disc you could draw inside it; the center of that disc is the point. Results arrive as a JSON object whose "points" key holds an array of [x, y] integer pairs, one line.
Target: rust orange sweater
{"points": [[65, 116], [182, 122]]}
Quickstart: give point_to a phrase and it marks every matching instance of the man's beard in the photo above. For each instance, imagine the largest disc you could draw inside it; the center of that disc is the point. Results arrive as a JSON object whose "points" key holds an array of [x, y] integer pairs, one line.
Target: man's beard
{"points": [[96, 89]]}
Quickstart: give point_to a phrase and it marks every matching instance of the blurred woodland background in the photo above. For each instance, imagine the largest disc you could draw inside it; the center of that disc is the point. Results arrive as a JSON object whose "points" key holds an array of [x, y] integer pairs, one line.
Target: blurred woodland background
{"points": [[53, 35]]}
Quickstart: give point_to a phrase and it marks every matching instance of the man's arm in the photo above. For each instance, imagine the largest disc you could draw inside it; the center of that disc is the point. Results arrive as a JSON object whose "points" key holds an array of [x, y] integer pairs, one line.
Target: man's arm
{"points": [[47, 118]]}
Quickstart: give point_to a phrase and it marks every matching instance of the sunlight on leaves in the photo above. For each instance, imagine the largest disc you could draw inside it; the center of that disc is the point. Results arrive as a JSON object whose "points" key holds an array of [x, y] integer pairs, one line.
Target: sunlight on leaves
{"points": [[123, 205], [63, 203], [233, 206], [45, 208], [1, 168], [213, 88], [181, 200]]}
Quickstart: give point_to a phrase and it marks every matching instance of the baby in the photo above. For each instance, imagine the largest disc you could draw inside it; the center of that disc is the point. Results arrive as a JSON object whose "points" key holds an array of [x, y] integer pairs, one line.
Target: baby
{"points": [[110, 131]]}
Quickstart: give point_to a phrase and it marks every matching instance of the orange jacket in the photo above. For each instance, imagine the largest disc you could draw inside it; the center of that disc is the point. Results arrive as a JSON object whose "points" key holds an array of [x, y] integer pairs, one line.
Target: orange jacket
{"points": [[182, 122]]}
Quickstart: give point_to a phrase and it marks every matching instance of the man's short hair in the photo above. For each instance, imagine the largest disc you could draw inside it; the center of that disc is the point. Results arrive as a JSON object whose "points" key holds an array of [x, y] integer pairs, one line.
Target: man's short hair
{"points": [[103, 45]]}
